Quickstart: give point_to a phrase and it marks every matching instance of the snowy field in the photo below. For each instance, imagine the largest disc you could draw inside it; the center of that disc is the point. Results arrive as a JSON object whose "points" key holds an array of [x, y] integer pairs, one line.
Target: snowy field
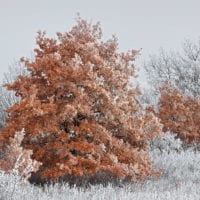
{"points": [[180, 181]]}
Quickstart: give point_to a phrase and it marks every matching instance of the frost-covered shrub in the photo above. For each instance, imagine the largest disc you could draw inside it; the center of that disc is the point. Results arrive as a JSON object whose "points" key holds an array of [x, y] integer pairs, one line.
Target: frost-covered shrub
{"points": [[167, 143], [17, 161], [180, 163], [180, 166]]}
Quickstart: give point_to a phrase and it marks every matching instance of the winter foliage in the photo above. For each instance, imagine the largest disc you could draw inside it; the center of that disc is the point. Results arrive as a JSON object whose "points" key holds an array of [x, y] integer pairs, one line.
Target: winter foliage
{"points": [[179, 114], [80, 113]]}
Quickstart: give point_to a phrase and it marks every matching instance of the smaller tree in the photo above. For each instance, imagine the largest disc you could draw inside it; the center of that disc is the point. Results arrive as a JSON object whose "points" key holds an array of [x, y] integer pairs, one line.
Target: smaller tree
{"points": [[179, 114]]}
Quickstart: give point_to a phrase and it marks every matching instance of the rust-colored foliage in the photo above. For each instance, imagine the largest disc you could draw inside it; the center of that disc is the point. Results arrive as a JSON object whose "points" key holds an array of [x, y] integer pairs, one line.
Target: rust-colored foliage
{"points": [[180, 114], [80, 114]]}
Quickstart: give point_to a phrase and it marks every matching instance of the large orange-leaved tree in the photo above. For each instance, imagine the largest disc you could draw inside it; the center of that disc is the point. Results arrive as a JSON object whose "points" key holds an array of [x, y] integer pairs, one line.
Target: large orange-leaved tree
{"points": [[78, 109]]}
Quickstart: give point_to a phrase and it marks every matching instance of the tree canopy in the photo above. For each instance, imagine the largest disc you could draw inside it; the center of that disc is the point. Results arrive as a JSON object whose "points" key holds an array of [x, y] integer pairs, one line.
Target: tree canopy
{"points": [[80, 113]]}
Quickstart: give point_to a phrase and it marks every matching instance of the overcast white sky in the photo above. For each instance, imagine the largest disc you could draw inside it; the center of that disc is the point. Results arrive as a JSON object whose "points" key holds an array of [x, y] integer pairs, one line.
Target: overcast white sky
{"points": [[146, 24]]}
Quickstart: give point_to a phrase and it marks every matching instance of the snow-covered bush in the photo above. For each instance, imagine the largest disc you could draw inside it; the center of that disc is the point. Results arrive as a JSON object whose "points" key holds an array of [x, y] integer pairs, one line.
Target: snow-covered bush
{"points": [[17, 161], [166, 143], [180, 166]]}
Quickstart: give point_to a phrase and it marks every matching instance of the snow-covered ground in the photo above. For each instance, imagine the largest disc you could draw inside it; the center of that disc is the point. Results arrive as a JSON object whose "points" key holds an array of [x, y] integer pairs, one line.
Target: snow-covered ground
{"points": [[180, 181]]}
